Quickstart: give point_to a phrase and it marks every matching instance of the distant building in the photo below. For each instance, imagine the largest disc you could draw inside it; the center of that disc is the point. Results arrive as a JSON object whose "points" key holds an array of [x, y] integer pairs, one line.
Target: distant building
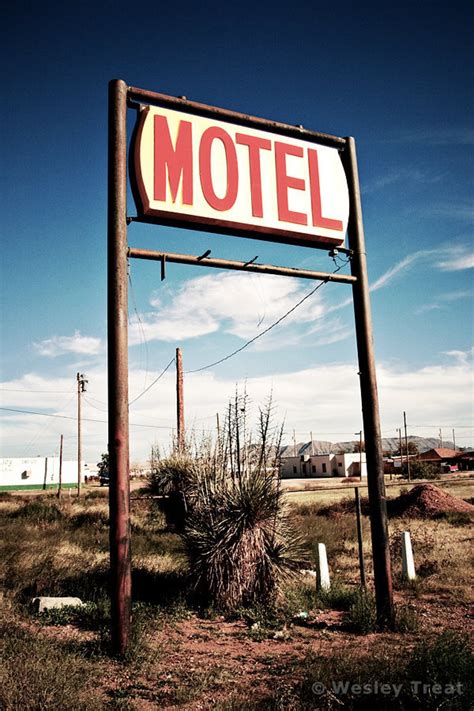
{"points": [[323, 465], [446, 459], [37, 472]]}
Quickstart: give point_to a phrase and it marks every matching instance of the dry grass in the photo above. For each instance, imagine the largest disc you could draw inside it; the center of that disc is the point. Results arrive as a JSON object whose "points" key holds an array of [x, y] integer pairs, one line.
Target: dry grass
{"points": [[51, 548]]}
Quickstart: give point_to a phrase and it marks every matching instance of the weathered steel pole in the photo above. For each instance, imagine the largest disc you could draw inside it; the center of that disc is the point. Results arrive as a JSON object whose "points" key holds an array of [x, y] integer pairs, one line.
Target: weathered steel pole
{"points": [[180, 401], [117, 315], [359, 537], [369, 395]]}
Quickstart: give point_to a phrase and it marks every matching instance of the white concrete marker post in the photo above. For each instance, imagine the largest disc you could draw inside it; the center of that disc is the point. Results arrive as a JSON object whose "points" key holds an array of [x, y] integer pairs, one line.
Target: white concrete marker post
{"points": [[408, 565], [322, 569]]}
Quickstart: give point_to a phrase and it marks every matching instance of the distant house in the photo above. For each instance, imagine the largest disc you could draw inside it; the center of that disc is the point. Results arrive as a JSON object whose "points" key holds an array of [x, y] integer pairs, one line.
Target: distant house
{"points": [[465, 460], [322, 465], [443, 457]]}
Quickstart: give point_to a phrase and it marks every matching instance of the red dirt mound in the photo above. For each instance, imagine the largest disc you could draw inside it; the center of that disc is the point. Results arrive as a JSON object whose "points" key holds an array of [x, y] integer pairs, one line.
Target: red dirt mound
{"points": [[427, 501]]}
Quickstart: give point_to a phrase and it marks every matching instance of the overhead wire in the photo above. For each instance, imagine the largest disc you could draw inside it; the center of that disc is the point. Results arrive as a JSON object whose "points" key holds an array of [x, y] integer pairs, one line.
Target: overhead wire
{"points": [[269, 328], [141, 328], [89, 419], [154, 382]]}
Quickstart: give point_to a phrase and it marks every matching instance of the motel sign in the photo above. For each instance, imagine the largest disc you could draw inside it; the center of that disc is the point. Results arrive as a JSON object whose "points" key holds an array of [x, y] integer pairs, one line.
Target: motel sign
{"points": [[194, 170], [206, 168]]}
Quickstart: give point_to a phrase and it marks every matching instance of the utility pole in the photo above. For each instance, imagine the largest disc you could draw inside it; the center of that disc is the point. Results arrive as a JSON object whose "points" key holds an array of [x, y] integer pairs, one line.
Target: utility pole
{"points": [[45, 472], [359, 537], [312, 450], [454, 440], [406, 445], [60, 467], [81, 388], [440, 437], [399, 430], [360, 453], [180, 401]]}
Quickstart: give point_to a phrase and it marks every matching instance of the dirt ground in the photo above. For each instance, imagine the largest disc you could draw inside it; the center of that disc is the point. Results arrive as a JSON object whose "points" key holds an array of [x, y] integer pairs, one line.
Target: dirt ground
{"points": [[197, 663]]}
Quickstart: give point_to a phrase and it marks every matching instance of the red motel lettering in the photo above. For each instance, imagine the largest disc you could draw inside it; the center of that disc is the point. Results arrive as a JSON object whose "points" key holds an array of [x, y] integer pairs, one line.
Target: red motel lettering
{"points": [[176, 162], [222, 174]]}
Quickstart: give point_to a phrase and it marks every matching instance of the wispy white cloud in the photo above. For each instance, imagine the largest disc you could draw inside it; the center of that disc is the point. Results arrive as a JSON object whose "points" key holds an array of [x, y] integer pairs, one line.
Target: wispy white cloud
{"points": [[440, 301], [461, 358], [395, 271], [459, 210], [61, 345], [460, 136], [456, 258], [444, 257], [410, 176], [238, 304], [425, 308]]}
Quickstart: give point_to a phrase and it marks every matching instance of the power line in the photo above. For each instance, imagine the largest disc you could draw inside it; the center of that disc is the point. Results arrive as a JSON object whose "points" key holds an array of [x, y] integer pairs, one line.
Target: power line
{"points": [[269, 328], [85, 419], [154, 382], [90, 419], [140, 324], [457, 427], [58, 392]]}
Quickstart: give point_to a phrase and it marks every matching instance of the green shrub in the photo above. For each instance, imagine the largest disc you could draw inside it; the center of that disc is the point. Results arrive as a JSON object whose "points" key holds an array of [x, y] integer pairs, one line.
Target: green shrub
{"points": [[447, 661], [405, 619], [422, 470], [338, 597], [91, 615], [361, 616], [38, 512]]}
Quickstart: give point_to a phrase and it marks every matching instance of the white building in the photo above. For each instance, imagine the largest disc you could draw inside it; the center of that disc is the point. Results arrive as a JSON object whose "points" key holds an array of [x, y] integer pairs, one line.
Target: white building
{"points": [[323, 465], [37, 472]]}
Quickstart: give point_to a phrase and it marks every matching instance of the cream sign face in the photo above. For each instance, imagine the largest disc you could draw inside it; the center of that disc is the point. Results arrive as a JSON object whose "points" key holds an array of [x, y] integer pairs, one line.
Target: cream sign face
{"points": [[207, 174]]}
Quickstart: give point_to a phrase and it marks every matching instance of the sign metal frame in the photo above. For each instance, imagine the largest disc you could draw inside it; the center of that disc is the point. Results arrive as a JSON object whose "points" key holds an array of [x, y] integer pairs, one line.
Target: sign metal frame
{"points": [[122, 97]]}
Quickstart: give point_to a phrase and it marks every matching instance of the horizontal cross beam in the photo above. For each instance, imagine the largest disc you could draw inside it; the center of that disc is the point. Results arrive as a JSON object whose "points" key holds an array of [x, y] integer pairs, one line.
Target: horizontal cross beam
{"points": [[200, 261]]}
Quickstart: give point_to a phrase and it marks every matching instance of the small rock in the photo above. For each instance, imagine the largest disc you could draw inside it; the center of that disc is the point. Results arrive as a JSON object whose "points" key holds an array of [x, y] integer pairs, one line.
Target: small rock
{"points": [[303, 615], [54, 603], [281, 634]]}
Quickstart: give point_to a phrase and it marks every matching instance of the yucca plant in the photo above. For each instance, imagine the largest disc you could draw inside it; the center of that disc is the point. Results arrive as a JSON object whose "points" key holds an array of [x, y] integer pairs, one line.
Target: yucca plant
{"points": [[240, 543], [175, 478]]}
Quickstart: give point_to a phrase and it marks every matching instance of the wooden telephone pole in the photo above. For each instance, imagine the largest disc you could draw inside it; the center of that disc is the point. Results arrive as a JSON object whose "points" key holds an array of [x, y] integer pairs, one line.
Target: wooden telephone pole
{"points": [[406, 445], [60, 467], [180, 401], [81, 388]]}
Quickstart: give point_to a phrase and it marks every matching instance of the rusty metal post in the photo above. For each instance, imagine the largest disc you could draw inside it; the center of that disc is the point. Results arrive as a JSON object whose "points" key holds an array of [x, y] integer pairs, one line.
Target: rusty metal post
{"points": [[369, 395], [180, 401], [359, 537], [117, 334]]}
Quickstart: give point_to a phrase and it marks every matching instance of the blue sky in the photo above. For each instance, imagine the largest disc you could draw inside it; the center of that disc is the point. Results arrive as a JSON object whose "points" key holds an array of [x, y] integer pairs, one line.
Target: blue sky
{"points": [[397, 78]]}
